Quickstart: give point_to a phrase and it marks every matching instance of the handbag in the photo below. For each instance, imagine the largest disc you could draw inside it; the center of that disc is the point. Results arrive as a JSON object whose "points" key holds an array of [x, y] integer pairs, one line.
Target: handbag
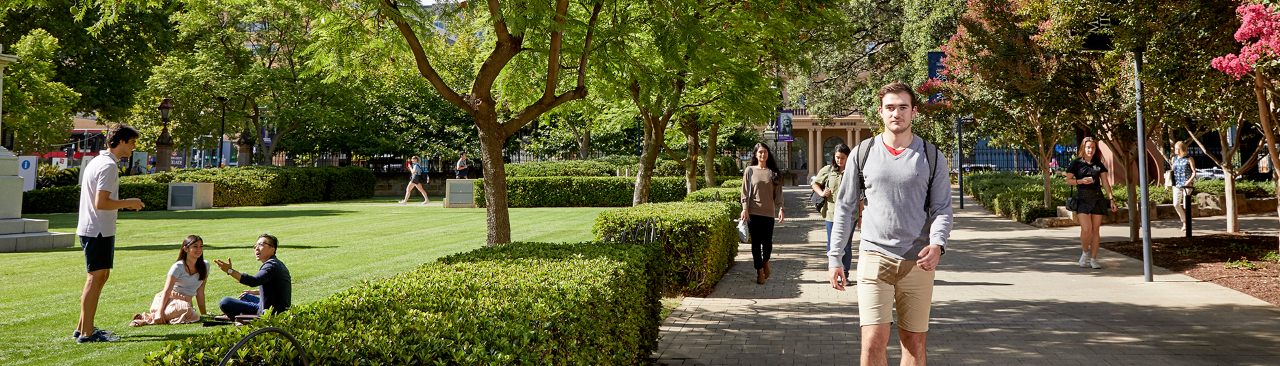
{"points": [[1072, 203], [744, 232], [816, 200]]}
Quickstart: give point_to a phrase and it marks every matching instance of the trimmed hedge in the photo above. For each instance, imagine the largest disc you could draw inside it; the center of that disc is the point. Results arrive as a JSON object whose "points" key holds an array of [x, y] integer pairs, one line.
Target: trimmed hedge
{"points": [[269, 185], [67, 198], [735, 182], [730, 196], [1020, 196], [610, 166], [582, 191], [699, 241], [522, 303]]}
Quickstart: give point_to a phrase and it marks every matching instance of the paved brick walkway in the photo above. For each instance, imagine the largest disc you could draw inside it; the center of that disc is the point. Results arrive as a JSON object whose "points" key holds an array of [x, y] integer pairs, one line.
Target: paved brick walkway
{"points": [[1007, 294]]}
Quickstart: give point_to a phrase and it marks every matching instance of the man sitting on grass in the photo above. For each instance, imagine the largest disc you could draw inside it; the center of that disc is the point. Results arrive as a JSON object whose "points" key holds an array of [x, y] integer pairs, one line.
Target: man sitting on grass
{"points": [[273, 282]]}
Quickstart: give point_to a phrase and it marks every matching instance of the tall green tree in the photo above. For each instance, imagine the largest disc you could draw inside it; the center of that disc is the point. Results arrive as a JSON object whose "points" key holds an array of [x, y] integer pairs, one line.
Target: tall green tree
{"points": [[873, 43], [37, 109], [108, 68], [1003, 76], [534, 59], [726, 54]]}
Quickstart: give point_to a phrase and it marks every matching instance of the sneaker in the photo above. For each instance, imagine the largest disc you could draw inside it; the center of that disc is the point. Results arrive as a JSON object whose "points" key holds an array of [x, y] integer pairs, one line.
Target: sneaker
{"points": [[1094, 263], [1084, 257], [401, 202], [426, 202], [97, 336], [76, 334]]}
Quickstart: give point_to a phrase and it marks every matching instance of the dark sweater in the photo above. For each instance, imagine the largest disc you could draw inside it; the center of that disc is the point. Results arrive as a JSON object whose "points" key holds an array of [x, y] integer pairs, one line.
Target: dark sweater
{"points": [[273, 283]]}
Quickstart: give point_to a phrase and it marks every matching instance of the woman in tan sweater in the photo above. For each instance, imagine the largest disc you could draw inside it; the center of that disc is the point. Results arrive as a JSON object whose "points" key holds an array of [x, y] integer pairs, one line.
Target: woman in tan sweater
{"points": [[761, 204]]}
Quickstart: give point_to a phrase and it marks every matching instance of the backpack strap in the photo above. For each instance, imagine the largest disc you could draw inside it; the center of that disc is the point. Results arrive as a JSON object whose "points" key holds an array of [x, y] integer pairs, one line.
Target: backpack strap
{"points": [[932, 157], [864, 149]]}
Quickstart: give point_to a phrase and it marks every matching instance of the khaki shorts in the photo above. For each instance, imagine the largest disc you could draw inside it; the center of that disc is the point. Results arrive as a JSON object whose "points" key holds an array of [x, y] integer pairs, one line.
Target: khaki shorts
{"points": [[885, 283]]}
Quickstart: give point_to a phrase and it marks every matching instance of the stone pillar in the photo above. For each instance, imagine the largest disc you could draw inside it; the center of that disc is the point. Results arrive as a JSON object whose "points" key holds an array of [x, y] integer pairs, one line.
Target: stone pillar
{"points": [[16, 233], [164, 150], [245, 144]]}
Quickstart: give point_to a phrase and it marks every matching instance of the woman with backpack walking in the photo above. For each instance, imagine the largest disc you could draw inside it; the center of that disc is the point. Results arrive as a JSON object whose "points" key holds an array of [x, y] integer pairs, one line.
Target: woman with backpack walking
{"points": [[761, 204], [827, 184], [417, 176]]}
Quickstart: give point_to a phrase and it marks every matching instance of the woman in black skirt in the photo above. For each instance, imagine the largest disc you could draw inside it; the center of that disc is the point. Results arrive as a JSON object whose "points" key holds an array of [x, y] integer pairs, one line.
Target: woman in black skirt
{"points": [[1088, 174]]}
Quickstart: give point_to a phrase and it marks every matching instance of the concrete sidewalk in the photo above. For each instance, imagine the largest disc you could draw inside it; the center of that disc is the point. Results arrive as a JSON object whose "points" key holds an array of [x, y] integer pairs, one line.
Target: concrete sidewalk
{"points": [[1007, 294]]}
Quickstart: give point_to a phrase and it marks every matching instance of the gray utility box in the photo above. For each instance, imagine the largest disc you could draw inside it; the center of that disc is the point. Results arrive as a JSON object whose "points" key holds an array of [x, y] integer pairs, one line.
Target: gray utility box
{"points": [[190, 196], [459, 193]]}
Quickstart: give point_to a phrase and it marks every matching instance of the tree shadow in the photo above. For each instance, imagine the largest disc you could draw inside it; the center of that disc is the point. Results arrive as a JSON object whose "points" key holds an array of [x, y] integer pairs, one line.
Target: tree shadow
{"points": [[156, 337], [994, 332], [174, 248], [215, 214]]}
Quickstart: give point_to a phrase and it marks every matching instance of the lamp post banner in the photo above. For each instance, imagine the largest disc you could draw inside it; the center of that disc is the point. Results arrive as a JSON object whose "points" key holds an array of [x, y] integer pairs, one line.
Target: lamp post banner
{"points": [[784, 126]]}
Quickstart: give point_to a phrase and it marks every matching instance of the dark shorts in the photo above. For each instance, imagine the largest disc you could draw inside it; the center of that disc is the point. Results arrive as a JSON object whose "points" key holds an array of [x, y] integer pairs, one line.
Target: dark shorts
{"points": [[99, 252], [1092, 202], [460, 174], [416, 179]]}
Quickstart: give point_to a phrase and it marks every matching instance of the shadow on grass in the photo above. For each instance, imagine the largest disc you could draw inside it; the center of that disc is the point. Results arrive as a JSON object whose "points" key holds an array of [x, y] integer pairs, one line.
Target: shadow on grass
{"points": [[157, 337], [76, 248], [214, 214]]}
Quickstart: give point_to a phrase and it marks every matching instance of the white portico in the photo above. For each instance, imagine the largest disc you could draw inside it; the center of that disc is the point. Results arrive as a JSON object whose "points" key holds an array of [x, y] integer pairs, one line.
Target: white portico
{"points": [[16, 233]]}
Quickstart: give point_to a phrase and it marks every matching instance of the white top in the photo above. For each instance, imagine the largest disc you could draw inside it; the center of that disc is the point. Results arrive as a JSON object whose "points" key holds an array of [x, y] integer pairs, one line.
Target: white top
{"points": [[102, 174], [187, 284]]}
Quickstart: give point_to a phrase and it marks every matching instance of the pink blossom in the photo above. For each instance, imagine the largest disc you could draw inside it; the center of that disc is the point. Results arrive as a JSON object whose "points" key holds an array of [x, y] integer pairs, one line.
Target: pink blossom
{"points": [[1260, 34]]}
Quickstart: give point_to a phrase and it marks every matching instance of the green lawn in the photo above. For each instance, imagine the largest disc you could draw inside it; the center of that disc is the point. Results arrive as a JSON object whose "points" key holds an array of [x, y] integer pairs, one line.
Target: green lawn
{"points": [[327, 246]]}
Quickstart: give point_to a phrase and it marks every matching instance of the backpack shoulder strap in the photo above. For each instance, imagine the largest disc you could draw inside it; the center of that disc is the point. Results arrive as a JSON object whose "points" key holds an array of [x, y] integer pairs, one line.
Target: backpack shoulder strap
{"points": [[864, 149], [932, 157]]}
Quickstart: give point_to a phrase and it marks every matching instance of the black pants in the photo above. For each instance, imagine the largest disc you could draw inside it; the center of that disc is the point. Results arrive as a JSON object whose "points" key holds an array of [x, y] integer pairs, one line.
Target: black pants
{"points": [[761, 228]]}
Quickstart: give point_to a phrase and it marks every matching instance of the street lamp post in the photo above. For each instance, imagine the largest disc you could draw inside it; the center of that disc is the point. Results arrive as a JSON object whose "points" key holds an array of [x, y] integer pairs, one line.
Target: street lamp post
{"points": [[164, 144], [223, 133]]}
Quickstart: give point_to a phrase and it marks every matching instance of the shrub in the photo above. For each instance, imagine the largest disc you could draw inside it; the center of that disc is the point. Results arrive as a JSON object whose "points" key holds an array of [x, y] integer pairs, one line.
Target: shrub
{"points": [[49, 176], [523, 303], [268, 185], [67, 198], [730, 196], [699, 241], [735, 182], [568, 168], [582, 191]]}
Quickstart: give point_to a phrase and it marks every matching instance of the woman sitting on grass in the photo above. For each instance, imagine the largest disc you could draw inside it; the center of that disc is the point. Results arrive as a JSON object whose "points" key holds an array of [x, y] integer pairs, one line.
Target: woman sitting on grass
{"points": [[172, 305]]}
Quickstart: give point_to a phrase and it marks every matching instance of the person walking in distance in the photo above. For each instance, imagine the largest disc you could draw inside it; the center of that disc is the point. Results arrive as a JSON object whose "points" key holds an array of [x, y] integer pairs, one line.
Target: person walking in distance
{"points": [[1184, 177], [461, 167], [99, 204], [761, 204], [1088, 174], [417, 176], [827, 184], [906, 222]]}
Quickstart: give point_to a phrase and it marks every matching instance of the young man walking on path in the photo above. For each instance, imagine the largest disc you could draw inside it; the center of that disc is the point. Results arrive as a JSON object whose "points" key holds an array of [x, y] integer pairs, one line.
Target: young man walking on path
{"points": [[906, 222], [99, 203]]}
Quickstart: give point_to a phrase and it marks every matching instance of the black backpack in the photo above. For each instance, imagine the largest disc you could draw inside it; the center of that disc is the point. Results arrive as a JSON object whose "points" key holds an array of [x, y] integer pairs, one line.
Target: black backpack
{"points": [[930, 153]]}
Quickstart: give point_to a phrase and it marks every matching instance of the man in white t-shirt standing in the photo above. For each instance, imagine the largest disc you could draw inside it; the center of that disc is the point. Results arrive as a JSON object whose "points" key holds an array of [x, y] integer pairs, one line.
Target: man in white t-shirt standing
{"points": [[461, 167], [99, 203]]}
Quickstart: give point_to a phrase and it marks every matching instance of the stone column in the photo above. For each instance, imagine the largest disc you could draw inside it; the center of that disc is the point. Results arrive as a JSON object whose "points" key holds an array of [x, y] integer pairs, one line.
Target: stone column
{"points": [[245, 144], [16, 233], [164, 150]]}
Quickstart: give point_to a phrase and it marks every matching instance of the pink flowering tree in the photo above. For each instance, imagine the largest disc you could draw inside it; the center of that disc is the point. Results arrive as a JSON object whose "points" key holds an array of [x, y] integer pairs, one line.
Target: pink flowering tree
{"points": [[1260, 34]]}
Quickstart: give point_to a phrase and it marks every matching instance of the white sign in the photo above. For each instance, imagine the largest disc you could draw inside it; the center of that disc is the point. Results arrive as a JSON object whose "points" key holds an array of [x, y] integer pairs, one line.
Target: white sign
{"points": [[61, 163], [27, 166]]}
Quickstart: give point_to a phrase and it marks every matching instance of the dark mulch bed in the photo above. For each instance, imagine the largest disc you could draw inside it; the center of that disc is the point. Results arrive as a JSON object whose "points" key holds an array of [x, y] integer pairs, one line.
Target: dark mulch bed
{"points": [[1208, 257]]}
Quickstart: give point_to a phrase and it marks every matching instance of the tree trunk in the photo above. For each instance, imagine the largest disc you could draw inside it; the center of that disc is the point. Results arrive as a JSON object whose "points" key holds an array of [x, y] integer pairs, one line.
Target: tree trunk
{"points": [[1264, 117], [584, 144], [654, 130], [1233, 215], [495, 193], [691, 164], [709, 159]]}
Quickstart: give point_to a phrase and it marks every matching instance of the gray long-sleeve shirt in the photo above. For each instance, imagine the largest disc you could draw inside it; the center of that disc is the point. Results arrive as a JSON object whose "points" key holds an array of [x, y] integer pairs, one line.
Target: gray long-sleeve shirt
{"points": [[895, 222]]}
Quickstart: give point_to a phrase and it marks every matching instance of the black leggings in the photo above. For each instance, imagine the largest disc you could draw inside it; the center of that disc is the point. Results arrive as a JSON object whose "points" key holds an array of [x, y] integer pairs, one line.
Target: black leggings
{"points": [[761, 228]]}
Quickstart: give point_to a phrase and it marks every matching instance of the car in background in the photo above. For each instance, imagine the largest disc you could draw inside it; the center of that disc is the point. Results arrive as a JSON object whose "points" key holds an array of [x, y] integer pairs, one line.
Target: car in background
{"points": [[1213, 173]]}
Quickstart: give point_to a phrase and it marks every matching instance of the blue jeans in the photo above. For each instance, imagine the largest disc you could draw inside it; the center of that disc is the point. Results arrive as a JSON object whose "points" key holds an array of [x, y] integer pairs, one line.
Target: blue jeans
{"points": [[246, 305], [848, 252]]}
